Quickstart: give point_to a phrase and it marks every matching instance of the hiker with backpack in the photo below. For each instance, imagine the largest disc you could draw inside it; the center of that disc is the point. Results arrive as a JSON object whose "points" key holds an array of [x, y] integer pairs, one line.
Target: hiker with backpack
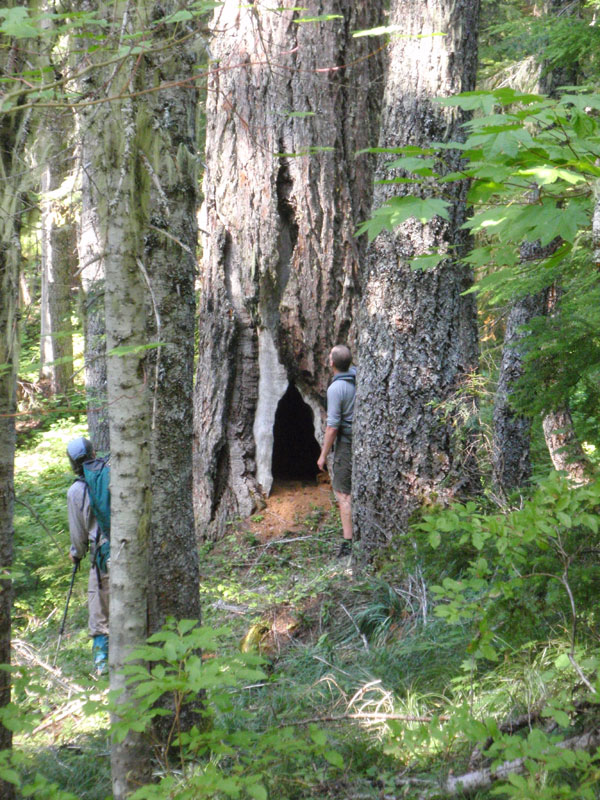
{"points": [[88, 506], [340, 411]]}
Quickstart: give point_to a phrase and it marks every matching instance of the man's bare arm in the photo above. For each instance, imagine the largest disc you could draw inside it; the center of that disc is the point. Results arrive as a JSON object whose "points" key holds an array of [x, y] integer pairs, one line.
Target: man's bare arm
{"points": [[330, 434]]}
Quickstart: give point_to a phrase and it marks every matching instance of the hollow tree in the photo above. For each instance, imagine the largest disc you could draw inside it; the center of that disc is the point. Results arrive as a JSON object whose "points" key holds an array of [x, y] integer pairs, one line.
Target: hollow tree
{"points": [[418, 336], [289, 105]]}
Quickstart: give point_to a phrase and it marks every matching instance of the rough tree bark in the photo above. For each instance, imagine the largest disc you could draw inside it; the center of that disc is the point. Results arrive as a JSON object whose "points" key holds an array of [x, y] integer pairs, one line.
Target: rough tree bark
{"points": [[58, 242], [511, 437], [170, 260], [564, 447], [418, 335], [289, 104], [13, 133]]}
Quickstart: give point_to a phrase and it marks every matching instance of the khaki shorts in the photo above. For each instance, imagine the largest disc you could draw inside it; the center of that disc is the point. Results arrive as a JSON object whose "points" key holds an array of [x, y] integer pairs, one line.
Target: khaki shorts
{"points": [[342, 467]]}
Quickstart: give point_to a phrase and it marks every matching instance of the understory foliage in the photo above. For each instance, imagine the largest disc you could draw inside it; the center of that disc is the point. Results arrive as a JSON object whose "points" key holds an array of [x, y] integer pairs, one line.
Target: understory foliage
{"points": [[477, 644], [532, 166]]}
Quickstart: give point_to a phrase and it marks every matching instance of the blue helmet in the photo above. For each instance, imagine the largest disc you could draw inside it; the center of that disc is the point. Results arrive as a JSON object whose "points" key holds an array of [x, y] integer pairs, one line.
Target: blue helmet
{"points": [[79, 451]]}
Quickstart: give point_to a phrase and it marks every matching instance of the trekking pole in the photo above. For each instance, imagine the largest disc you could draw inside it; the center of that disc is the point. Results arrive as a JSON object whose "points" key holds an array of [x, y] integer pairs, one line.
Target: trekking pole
{"points": [[64, 619]]}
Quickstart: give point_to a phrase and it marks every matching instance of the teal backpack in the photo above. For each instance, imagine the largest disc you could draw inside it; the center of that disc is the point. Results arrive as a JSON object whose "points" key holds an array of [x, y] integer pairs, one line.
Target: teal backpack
{"points": [[96, 475]]}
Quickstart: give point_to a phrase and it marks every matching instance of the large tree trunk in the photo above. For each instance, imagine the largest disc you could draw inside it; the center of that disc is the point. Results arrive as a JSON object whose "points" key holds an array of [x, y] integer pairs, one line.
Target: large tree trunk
{"points": [[418, 334], [170, 259], [288, 107], [13, 132], [58, 255]]}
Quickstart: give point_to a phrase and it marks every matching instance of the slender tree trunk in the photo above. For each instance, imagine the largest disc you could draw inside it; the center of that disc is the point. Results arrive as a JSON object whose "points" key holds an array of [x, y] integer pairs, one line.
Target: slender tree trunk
{"points": [[511, 463], [288, 107], [418, 334], [511, 438], [129, 428], [91, 266], [58, 254], [562, 442], [13, 133], [123, 137]]}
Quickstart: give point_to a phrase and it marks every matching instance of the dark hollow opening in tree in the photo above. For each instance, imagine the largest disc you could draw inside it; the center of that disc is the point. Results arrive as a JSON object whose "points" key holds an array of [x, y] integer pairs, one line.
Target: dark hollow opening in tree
{"points": [[295, 449]]}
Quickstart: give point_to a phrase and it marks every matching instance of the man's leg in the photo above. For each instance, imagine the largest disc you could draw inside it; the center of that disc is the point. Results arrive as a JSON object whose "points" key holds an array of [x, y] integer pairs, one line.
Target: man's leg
{"points": [[98, 618], [342, 486], [345, 513]]}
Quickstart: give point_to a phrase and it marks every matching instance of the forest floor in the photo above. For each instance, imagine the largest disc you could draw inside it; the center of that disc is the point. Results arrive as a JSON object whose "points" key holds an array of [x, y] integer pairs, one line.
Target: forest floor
{"points": [[364, 692], [288, 505]]}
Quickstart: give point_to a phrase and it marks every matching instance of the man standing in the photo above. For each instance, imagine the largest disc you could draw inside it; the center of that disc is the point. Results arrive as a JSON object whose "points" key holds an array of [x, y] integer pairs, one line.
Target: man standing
{"points": [[340, 410], [84, 534]]}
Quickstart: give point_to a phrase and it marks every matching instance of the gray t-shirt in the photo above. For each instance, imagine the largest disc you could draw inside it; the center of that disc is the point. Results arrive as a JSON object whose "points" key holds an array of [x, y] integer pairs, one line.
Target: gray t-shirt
{"points": [[340, 403]]}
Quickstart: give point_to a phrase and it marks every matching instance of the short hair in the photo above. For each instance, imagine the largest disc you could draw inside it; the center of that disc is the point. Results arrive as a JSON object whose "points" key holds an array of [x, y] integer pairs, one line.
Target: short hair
{"points": [[341, 357]]}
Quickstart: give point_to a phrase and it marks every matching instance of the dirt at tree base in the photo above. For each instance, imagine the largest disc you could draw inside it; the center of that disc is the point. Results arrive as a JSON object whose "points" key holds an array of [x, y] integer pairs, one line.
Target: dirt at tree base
{"points": [[288, 506]]}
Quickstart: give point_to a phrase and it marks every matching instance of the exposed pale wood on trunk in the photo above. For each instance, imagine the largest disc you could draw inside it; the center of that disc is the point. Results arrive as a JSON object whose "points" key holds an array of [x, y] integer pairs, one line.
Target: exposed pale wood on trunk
{"points": [[280, 265]]}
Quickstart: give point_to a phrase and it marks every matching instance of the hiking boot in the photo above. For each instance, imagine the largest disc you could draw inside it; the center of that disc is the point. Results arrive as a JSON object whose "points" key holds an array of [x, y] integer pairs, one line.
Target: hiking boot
{"points": [[345, 549], [100, 653]]}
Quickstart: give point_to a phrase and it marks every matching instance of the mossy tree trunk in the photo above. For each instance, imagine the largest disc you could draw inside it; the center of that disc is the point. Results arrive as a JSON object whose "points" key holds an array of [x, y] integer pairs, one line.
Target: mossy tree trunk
{"points": [[13, 172], [170, 244], [418, 335], [289, 105], [144, 168]]}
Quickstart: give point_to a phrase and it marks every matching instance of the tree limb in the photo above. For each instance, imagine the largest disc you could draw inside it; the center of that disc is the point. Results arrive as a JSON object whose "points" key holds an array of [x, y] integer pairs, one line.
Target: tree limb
{"points": [[472, 782]]}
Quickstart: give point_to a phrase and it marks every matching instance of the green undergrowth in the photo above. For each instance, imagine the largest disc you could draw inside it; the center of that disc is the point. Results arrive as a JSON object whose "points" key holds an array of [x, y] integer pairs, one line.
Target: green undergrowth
{"points": [[476, 642]]}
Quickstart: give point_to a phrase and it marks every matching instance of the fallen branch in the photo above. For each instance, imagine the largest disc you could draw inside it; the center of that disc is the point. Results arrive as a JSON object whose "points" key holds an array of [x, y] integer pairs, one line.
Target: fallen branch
{"points": [[472, 782], [70, 710], [515, 724], [375, 717], [28, 655]]}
